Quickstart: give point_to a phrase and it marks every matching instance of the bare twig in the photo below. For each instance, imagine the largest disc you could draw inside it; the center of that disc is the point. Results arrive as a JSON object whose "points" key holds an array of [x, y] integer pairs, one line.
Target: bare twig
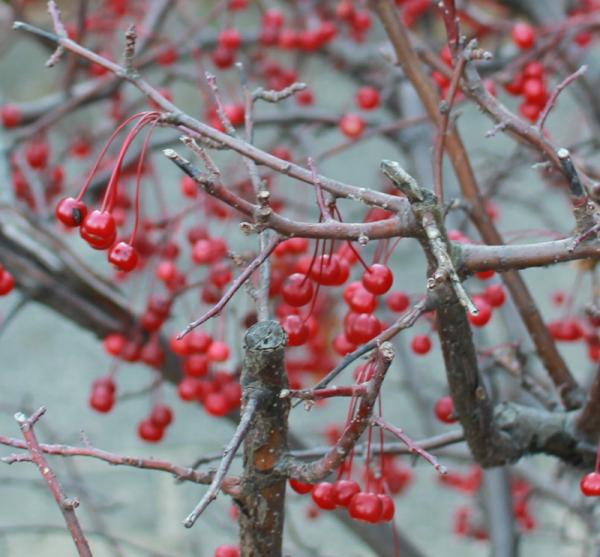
{"points": [[60, 31], [67, 506], [413, 447], [235, 286], [554, 96], [228, 456]]}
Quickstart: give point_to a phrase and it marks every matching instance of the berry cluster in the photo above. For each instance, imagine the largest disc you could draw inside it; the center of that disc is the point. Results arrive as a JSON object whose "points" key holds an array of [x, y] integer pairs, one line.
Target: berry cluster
{"points": [[466, 523]]}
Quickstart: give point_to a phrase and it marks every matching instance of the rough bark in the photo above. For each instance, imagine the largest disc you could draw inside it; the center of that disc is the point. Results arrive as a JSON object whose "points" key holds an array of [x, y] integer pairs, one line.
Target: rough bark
{"points": [[263, 487]]}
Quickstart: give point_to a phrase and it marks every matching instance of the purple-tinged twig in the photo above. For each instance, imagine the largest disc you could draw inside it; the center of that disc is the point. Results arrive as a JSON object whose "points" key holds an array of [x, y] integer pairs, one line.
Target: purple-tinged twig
{"points": [[60, 31], [67, 506], [180, 472], [213, 169], [235, 286], [272, 96], [317, 470], [325, 212], [413, 447], [228, 456], [554, 96], [317, 394]]}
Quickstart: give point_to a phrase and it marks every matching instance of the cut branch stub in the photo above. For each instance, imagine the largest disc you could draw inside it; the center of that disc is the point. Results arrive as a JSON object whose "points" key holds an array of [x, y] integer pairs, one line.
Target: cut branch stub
{"points": [[263, 487]]}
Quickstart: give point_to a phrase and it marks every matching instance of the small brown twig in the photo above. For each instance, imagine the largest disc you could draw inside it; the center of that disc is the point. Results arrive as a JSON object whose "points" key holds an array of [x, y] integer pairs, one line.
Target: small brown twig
{"points": [[413, 447], [228, 456], [67, 506]]}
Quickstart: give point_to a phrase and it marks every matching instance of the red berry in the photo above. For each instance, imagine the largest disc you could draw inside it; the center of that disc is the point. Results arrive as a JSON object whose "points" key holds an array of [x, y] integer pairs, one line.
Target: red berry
{"points": [[161, 415], [188, 389], [534, 70], [227, 551], [102, 399], [398, 301], [296, 329], [71, 212], [216, 404], [114, 344], [531, 111], [326, 269], [485, 275], [230, 38], [388, 508], [297, 290], [352, 125], [37, 154], [444, 410], [367, 98], [220, 274], [421, 344], [342, 345], [189, 187], [7, 283], [582, 39], [235, 113], [485, 312], [218, 351], [366, 506], [534, 91], [123, 256], [99, 229], [166, 271], [305, 97], [273, 18], [149, 431], [363, 301], [378, 279], [197, 342], [323, 495], [344, 490], [232, 392], [523, 35], [361, 20], [152, 353], [515, 87], [223, 57], [495, 295], [10, 115], [168, 56], [300, 487], [363, 328], [196, 365], [590, 484]]}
